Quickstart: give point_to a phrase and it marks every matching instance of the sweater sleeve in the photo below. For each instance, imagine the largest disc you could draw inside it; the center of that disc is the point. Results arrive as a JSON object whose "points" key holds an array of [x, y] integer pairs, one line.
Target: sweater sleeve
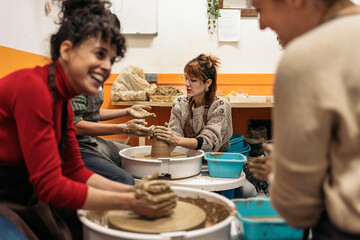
{"points": [[301, 135], [33, 110], [177, 113], [218, 130], [317, 127], [79, 107]]}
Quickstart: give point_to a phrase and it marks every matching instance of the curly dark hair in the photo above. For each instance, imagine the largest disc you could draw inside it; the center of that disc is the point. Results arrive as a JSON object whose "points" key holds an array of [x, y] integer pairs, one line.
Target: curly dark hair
{"points": [[84, 19]]}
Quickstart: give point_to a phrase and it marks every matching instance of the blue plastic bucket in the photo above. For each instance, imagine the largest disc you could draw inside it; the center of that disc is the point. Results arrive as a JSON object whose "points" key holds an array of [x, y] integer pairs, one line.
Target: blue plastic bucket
{"points": [[236, 143], [226, 165], [250, 212], [230, 194], [246, 150]]}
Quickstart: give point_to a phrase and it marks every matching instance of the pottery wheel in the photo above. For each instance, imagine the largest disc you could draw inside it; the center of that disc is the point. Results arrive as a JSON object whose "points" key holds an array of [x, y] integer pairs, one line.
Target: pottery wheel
{"points": [[147, 156], [186, 216]]}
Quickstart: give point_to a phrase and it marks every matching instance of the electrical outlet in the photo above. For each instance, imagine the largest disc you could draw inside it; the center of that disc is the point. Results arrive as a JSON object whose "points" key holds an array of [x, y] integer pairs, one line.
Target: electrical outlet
{"points": [[151, 77]]}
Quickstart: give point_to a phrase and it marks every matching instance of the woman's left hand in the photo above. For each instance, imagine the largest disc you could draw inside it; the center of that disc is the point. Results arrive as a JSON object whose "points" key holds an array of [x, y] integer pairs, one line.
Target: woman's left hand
{"points": [[136, 127], [140, 111], [167, 135]]}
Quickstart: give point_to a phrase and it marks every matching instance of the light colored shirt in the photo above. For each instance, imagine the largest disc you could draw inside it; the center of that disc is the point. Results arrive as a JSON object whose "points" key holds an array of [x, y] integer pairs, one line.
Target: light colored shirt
{"points": [[317, 127]]}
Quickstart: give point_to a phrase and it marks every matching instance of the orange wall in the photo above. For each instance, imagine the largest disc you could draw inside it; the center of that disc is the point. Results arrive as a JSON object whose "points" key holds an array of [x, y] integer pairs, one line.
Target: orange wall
{"points": [[12, 60], [252, 84]]}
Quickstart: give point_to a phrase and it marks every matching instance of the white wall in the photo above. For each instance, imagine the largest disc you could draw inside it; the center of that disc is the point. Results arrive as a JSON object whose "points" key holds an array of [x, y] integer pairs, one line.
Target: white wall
{"points": [[24, 25], [182, 36]]}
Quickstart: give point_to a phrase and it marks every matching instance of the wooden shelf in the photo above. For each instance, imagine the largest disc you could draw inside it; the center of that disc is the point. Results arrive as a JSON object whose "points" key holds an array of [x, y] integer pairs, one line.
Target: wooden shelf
{"points": [[249, 12], [169, 104], [245, 12], [252, 105]]}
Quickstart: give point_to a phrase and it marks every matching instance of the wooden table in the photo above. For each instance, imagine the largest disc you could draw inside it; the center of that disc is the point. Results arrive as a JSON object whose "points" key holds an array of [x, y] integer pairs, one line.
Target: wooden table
{"points": [[169, 104]]}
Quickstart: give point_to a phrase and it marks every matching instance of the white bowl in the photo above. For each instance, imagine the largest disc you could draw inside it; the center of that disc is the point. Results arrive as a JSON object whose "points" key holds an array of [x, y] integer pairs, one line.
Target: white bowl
{"points": [[173, 167], [221, 230]]}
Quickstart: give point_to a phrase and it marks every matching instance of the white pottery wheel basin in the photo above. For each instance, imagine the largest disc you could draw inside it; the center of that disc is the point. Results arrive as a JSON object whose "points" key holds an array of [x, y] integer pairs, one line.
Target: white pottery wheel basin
{"points": [[175, 168], [220, 230]]}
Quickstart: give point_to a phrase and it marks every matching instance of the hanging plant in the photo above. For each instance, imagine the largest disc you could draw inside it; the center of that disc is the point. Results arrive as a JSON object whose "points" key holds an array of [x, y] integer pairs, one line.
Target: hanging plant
{"points": [[213, 14], [279, 41]]}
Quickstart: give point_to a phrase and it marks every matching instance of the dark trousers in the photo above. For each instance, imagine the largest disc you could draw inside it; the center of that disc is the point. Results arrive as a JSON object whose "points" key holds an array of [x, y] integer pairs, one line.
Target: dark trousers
{"points": [[326, 230], [106, 169]]}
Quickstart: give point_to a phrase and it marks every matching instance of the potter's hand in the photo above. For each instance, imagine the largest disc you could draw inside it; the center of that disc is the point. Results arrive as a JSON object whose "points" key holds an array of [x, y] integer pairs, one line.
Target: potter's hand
{"points": [[261, 166], [257, 166], [166, 134], [139, 111], [268, 148], [136, 127], [154, 198]]}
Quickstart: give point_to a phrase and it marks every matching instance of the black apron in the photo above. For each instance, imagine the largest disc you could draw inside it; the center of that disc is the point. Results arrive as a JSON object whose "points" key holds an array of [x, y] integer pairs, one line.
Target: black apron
{"points": [[20, 204]]}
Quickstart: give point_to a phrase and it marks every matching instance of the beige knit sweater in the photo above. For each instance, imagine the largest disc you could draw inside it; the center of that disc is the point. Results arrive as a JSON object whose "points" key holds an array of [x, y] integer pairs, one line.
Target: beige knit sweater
{"points": [[218, 130], [317, 127]]}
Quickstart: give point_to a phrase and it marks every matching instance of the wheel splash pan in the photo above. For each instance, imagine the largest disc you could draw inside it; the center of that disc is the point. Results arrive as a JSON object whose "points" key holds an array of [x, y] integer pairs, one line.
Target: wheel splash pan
{"points": [[175, 168]]}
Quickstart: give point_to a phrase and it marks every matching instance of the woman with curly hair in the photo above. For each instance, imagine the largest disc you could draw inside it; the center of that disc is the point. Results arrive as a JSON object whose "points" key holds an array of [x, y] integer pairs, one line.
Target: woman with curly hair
{"points": [[40, 161]]}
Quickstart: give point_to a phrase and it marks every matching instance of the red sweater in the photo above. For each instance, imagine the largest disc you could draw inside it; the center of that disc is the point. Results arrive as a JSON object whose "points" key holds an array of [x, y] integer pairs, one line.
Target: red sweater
{"points": [[27, 132]]}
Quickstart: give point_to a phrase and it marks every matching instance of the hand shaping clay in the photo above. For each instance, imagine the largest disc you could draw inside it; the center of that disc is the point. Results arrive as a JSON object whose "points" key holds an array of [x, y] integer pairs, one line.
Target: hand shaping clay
{"points": [[159, 149]]}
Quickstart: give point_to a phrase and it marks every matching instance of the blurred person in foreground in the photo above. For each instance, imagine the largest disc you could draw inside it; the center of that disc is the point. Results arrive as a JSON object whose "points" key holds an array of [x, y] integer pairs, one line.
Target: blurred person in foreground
{"points": [[315, 178]]}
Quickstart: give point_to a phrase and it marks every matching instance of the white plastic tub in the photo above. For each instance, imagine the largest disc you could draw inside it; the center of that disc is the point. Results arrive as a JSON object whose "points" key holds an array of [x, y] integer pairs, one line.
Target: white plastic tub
{"points": [[175, 168], [221, 230]]}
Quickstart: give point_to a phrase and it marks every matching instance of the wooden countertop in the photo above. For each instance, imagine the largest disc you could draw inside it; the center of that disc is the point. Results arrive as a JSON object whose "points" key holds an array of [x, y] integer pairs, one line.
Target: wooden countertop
{"points": [[169, 104]]}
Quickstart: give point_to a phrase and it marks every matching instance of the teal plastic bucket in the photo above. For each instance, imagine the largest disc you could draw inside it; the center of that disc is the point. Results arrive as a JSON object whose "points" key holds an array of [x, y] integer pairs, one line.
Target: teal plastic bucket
{"points": [[246, 150], [236, 143], [251, 213], [230, 194], [226, 165]]}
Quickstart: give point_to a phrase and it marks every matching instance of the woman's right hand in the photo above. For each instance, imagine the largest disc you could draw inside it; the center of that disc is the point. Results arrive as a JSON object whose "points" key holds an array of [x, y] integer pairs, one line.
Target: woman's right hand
{"points": [[154, 198], [155, 206]]}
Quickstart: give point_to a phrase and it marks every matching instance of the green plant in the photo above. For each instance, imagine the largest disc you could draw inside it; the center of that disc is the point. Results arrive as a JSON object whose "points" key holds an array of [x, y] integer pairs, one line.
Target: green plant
{"points": [[279, 41], [213, 14]]}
